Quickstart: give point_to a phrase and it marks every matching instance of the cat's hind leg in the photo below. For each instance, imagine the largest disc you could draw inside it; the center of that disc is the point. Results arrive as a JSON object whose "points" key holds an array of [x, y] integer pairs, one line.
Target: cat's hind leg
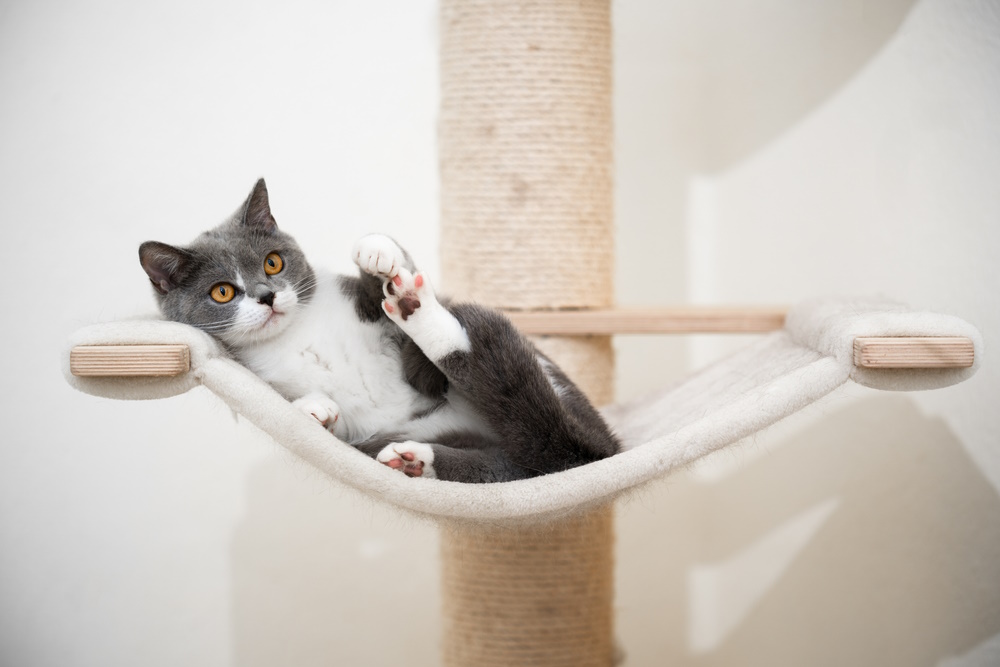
{"points": [[414, 459], [410, 302], [459, 457], [543, 421]]}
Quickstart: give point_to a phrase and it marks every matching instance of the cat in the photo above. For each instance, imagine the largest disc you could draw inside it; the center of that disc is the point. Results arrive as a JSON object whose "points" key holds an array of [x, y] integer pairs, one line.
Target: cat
{"points": [[426, 387]]}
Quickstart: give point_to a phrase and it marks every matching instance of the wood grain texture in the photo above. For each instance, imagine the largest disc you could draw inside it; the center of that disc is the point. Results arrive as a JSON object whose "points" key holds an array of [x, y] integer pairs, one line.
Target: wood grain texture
{"points": [[869, 352], [129, 360], [607, 321], [903, 352]]}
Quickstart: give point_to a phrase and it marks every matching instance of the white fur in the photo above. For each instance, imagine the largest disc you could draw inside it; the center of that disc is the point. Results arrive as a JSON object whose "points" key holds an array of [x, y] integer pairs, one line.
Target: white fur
{"points": [[422, 453], [325, 349]]}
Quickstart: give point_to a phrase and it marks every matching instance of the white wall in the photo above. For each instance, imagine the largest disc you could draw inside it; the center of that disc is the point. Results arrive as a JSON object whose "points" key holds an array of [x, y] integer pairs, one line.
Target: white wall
{"points": [[807, 149], [766, 152]]}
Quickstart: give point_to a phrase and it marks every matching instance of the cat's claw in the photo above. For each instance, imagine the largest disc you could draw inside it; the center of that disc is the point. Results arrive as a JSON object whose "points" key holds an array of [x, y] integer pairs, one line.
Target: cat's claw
{"points": [[321, 408], [378, 255], [414, 459]]}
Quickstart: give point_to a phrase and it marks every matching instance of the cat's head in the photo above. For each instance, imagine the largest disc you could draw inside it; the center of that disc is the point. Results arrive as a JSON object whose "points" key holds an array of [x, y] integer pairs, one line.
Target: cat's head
{"points": [[242, 282]]}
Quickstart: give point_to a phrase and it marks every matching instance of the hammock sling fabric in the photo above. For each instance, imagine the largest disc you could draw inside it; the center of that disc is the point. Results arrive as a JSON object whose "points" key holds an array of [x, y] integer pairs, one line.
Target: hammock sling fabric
{"points": [[525, 138], [736, 397]]}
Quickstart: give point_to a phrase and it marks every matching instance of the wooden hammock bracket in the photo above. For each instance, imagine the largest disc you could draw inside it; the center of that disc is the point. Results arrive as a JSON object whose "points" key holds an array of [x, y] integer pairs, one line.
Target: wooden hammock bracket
{"points": [[869, 352]]}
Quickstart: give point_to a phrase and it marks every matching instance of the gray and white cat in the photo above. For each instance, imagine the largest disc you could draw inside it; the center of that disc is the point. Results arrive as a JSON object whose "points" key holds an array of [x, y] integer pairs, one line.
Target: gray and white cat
{"points": [[451, 391]]}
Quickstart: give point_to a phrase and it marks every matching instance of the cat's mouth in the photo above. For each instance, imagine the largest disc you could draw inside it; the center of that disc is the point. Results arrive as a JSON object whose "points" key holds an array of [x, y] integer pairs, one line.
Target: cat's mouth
{"points": [[273, 318]]}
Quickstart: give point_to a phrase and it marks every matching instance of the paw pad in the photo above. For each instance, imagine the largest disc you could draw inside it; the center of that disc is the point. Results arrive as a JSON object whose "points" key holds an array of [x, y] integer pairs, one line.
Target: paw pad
{"points": [[402, 294], [413, 459]]}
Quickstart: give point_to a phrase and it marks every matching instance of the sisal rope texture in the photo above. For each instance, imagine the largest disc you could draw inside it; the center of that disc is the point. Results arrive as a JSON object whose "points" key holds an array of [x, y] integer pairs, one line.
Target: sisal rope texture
{"points": [[526, 192]]}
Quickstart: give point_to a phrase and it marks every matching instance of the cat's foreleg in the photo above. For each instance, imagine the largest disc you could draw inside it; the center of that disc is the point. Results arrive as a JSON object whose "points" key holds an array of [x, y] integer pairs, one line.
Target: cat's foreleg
{"points": [[320, 407], [379, 256], [379, 259]]}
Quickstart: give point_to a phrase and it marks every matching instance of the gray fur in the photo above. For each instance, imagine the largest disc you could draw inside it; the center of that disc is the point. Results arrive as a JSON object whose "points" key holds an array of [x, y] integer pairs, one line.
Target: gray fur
{"points": [[527, 427], [183, 277]]}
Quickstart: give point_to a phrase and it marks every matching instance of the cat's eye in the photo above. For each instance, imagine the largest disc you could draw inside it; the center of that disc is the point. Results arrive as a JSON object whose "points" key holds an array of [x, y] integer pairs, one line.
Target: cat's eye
{"points": [[273, 264], [223, 292]]}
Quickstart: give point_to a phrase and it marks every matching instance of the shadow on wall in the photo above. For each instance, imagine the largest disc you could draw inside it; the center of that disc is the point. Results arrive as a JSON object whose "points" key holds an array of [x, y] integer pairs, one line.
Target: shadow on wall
{"points": [[840, 548], [699, 87], [323, 577], [763, 66]]}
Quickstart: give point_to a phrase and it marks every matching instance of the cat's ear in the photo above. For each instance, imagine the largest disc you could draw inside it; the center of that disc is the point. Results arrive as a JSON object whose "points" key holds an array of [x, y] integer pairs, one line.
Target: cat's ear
{"points": [[257, 210], [165, 265]]}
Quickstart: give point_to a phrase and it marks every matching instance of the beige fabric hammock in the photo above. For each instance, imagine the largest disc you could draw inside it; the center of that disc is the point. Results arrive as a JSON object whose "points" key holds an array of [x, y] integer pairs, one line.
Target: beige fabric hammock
{"points": [[735, 397]]}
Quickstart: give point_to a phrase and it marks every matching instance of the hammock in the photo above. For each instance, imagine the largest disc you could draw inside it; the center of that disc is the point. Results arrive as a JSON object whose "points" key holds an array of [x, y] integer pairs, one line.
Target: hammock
{"points": [[780, 374]]}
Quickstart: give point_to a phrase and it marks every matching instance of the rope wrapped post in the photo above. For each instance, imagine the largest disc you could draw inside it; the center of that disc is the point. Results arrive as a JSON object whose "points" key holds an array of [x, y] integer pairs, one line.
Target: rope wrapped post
{"points": [[526, 190], [538, 595]]}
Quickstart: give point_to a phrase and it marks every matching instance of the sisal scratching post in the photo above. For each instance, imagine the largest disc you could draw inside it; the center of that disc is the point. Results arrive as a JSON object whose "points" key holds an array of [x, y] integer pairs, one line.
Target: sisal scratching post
{"points": [[537, 595], [526, 189]]}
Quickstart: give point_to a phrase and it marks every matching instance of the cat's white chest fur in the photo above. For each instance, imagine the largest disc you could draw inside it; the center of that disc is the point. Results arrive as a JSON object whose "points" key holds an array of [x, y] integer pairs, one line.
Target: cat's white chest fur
{"points": [[327, 349]]}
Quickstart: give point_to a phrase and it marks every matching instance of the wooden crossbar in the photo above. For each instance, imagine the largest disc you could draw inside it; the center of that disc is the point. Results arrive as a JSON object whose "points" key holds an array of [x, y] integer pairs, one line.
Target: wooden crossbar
{"points": [[608, 321]]}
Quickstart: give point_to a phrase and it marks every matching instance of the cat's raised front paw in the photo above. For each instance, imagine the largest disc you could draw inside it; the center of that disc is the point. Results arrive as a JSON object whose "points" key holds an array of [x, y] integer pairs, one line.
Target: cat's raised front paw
{"points": [[414, 459], [378, 255], [321, 408]]}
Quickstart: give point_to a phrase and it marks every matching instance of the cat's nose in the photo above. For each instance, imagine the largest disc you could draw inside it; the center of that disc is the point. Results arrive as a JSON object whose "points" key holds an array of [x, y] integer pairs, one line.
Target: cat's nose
{"points": [[266, 297]]}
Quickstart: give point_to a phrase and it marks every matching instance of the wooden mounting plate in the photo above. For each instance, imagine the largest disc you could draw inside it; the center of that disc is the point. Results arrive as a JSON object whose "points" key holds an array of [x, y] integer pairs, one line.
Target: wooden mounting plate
{"points": [[914, 352], [129, 360]]}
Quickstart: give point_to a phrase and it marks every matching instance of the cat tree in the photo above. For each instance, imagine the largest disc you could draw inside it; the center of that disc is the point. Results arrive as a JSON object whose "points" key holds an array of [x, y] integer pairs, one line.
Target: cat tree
{"points": [[526, 178]]}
